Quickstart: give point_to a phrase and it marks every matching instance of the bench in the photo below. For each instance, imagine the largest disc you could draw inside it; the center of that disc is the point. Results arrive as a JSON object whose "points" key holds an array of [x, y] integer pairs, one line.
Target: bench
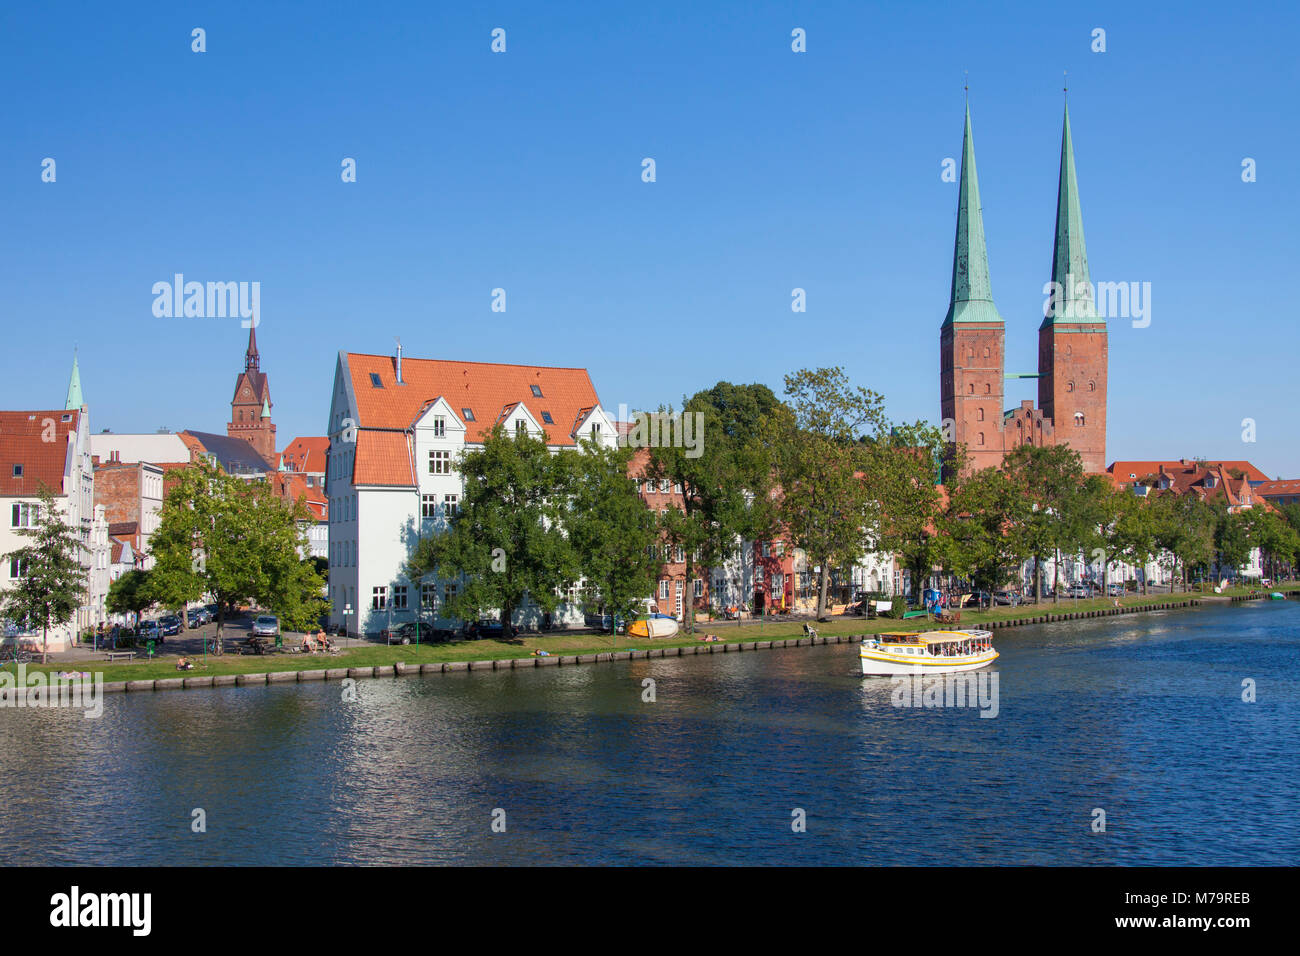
{"points": [[112, 656]]}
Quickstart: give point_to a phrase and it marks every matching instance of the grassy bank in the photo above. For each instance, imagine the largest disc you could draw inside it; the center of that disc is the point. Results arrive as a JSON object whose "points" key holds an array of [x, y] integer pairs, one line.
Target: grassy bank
{"points": [[370, 655]]}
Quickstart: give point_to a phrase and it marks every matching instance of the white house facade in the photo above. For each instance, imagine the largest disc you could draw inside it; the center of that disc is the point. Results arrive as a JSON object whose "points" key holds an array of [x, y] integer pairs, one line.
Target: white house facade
{"points": [[397, 428]]}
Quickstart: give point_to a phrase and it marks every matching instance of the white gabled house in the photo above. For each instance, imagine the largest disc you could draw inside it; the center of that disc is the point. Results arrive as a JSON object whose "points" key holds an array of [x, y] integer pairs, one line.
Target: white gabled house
{"points": [[396, 428]]}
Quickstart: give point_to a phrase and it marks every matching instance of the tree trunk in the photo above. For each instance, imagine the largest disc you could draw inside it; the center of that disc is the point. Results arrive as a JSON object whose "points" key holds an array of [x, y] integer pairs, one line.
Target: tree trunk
{"points": [[45, 644], [688, 603], [822, 588], [1056, 577]]}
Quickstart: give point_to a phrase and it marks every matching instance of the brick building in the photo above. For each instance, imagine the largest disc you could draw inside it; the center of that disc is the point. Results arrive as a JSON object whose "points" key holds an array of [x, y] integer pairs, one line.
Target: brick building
{"points": [[250, 408], [1072, 339]]}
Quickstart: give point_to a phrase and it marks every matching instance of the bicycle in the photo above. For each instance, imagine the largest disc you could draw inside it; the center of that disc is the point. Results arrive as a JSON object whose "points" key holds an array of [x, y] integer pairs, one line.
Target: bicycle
{"points": [[213, 645], [18, 655]]}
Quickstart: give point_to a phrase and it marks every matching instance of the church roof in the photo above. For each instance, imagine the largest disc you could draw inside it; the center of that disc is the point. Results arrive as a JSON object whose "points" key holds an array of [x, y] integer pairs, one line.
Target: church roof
{"points": [[74, 388], [236, 456], [971, 299], [1069, 252]]}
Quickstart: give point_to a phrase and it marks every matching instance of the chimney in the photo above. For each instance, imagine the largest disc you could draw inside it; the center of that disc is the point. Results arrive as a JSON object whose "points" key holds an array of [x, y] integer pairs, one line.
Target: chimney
{"points": [[399, 363]]}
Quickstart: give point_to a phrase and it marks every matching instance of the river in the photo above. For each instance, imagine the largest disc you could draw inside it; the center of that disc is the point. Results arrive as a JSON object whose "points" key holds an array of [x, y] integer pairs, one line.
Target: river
{"points": [[1140, 716]]}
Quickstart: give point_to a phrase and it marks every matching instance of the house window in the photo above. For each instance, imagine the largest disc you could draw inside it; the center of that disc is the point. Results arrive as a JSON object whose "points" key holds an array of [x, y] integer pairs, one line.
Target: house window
{"points": [[663, 590], [521, 428], [374, 380], [24, 515], [18, 471], [595, 428], [450, 504], [699, 587], [378, 598], [448, 591], [428, 506], [439, 426], [399, 597], [546, 417], [17, 568], [665, 485], [467, 414], [440, 463], [679, 555], [428, 595], [537, 391]]}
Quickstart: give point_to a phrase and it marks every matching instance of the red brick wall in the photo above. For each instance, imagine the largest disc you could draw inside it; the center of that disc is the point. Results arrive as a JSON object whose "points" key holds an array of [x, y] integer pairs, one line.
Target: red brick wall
{"points": [[117, 488], [1072, 362], [971, 363]]}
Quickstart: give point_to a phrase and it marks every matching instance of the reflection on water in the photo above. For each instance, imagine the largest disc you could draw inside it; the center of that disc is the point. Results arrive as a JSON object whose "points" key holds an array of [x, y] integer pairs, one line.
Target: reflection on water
{"points": [[1141, 716]]}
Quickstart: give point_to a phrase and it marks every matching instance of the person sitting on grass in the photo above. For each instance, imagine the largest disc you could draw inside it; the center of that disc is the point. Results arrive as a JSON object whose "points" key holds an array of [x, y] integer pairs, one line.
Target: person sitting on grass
{"points": [[184, 664], [308, 644]]}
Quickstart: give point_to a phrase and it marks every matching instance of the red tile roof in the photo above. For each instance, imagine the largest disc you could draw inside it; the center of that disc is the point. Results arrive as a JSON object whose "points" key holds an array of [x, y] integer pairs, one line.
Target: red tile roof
{"points": [[1122, 469], [486, 388], [22, 442], [305, 454], [1283, 486], [293, 487], [383, 458]]}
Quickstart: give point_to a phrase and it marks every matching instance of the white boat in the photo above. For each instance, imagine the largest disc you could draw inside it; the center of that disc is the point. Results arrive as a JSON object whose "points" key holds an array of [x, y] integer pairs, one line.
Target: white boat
{"points": [[928, 652]]}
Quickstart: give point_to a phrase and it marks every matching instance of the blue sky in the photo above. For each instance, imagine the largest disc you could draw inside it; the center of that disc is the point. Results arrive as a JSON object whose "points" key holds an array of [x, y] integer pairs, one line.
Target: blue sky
{"points": [[522, 171]]}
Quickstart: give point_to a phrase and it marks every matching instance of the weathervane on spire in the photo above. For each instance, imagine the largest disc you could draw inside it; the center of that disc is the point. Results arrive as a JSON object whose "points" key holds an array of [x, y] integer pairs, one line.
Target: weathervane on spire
{"points": [[966, 83], [1066, 83]]}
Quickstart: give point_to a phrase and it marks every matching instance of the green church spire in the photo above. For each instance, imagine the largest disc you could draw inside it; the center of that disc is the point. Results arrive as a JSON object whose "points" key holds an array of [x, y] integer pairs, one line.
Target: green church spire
{"points": [[972, 296], [266, 408], [1070, 276], [75, 400]]}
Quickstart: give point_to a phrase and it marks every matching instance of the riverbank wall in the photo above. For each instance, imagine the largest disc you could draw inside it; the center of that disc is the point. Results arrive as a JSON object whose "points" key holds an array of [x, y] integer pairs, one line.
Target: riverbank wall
{"points": [[573, 660]]}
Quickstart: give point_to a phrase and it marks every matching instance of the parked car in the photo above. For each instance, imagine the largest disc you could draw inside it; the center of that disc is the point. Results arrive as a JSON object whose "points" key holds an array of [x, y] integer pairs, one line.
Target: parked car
{"points": [[266, 625], [1006, 598], [405, 633], [603, 622], [487, 628], [1078, 591], [1115, 590], [169, 624], [149, 631]]}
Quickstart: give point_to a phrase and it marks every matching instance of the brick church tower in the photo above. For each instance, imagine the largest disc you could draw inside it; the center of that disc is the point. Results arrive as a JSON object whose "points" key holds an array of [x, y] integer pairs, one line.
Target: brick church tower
{"points": [[250, 409], [972, 338], [1072, 341]]}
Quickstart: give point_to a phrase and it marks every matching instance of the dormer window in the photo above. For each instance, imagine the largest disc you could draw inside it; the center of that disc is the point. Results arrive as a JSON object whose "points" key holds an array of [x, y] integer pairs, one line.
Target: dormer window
{"points": [[18, 471], [67, 418]]}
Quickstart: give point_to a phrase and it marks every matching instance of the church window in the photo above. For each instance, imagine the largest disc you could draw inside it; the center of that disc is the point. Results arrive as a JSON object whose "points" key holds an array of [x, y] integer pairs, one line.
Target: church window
{"points": [[1078, 418], [971, 388], [988, 388], [1069, 386], [986, 351], [981, 439], [979, 415], [1092, 386]]}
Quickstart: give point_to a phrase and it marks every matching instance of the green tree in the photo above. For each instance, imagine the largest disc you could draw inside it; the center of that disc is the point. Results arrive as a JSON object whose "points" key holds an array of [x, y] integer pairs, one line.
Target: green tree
{"points": [[1050, 479], [52, 582], [234, 540], [130, 594], [506, 544], [829, 510], [902, 469], [726, 477], [611, 530], [984, 527]]}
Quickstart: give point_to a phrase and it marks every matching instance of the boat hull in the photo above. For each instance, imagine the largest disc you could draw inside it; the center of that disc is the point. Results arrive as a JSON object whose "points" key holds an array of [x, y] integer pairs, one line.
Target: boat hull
{"points": [[653, 627]]}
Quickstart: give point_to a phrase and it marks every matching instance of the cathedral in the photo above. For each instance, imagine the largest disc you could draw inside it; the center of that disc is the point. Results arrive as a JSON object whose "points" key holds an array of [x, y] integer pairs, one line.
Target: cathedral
{"points": [[250, 409], [1072, 346]]}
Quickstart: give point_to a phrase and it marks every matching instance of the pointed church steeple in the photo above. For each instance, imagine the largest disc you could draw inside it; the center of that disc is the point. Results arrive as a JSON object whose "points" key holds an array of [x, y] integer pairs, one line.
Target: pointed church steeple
{"points": [[971, 298], [1070, 275], [75, 400], [250, 354], [266, 408]]}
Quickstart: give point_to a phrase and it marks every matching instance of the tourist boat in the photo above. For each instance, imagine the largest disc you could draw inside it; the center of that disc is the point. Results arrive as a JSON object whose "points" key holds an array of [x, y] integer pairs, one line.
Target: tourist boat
{"points": [[928, 652], [653, 625]]}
